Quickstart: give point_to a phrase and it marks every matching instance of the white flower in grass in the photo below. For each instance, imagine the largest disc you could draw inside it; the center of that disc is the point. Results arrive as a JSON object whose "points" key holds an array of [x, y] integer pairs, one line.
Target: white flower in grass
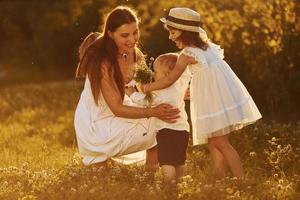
{"points": [[252, 154]]}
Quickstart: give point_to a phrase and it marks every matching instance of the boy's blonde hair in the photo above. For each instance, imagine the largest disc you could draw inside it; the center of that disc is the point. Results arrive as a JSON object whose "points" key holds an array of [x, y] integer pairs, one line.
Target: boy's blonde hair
{"points": [[167, 60]]}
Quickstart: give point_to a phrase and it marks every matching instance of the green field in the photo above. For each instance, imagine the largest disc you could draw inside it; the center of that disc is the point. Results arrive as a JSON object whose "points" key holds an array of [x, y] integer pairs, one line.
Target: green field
{"points": [[39, 157]]}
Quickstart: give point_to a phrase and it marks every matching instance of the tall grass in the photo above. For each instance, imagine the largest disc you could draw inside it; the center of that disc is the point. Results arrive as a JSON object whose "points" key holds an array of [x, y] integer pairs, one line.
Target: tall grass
{"points": [[39, 157]]}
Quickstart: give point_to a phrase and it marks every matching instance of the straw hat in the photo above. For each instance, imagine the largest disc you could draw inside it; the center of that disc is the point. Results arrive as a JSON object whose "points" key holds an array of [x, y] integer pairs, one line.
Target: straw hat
{"points": [[184, 19]]}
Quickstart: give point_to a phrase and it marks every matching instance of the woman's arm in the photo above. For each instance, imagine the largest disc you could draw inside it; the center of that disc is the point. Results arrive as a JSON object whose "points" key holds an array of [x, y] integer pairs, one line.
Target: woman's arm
{"points": [[114, 101], [181, 64]]}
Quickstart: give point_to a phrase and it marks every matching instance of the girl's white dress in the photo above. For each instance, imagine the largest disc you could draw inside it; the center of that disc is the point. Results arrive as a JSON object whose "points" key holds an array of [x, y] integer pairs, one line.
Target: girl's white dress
{"points": [[219, 101], [101, 135]]}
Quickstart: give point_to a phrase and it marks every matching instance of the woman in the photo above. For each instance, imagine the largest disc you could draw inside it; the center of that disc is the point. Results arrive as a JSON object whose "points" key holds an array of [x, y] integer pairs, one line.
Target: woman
{"points": [[106, 122]]}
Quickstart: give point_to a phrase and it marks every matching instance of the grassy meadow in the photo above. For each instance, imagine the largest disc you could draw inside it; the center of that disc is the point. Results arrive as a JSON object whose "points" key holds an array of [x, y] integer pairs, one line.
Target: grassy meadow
{"points": [[39, 157]]}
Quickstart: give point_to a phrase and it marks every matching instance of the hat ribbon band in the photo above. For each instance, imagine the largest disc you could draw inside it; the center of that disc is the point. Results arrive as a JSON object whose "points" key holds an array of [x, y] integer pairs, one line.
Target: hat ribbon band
{"points": [[183, 22]]}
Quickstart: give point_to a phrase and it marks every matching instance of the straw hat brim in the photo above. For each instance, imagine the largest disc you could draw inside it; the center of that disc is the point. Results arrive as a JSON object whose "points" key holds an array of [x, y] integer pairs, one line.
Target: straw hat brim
{"points": [[181, 26]]}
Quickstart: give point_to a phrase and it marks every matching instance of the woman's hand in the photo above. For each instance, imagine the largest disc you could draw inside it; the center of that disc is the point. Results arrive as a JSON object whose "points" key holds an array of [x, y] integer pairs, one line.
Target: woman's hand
{"points": [[166, 112]]}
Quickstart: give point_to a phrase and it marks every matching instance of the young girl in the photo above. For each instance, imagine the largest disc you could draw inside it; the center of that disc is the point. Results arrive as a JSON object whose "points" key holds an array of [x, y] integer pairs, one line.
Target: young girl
{"points": [[219, 101]]}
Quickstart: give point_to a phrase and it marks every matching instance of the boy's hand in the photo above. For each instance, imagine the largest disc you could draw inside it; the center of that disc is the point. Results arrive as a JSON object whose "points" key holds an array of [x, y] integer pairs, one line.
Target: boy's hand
{"points": [[187, 94], [144, 88], [129, 90], [192, 60]]}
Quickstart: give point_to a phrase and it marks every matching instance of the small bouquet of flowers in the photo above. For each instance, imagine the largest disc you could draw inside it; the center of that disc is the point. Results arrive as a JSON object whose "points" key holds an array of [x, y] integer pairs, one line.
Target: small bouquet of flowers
{"points": [[143, 75]]}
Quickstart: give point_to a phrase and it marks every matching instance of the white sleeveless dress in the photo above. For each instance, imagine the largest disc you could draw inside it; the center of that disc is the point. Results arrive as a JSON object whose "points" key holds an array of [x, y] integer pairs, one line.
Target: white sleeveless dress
{"points": [[219, 102], [101, 135]]}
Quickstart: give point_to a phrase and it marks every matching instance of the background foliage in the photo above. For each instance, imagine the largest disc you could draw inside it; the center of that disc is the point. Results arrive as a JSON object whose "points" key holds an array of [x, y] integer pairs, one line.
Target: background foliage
{"points": [[260, 37], [38, 153]]}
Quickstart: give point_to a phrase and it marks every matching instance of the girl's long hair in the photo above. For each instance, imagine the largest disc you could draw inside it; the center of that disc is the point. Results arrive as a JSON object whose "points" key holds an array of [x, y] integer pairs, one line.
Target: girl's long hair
{"points": [[103, 51], [191, 38]]}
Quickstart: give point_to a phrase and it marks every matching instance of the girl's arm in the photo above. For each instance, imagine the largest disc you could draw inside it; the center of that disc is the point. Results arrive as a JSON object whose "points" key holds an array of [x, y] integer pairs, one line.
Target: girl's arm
{"points": [[181, 64], [114, 101]]}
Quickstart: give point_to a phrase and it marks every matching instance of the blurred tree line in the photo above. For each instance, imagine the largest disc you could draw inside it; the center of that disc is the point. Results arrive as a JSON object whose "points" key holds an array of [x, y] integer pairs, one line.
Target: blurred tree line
{"points": [[261, 39]]}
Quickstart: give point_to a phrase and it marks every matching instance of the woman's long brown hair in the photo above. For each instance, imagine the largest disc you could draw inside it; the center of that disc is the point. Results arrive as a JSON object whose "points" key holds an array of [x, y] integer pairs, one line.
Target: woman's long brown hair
{"points": [[104, 50]]}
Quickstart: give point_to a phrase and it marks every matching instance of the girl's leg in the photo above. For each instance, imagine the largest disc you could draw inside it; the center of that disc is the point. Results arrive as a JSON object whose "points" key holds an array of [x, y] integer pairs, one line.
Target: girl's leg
{"points": [[180, 171], [169, 173], [151, 158], [231, 156], [218, 159]]}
